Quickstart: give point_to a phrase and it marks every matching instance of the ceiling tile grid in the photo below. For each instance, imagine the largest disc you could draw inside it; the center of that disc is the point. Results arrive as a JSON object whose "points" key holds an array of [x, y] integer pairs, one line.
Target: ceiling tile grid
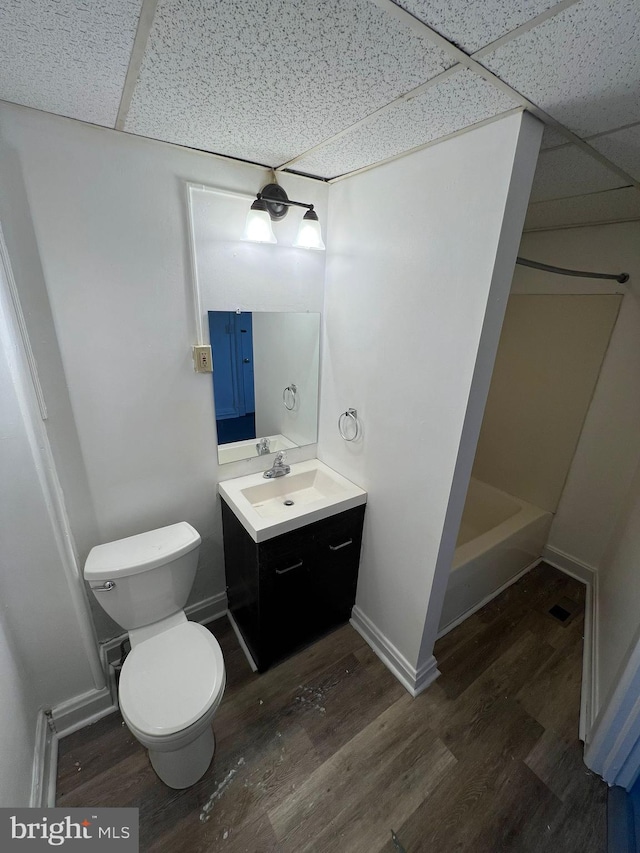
{"points": [[265, 80], [460, 100], [335, 86], [569, 171], [67, 56], [582, 66], [622, 148], [472, 24]]}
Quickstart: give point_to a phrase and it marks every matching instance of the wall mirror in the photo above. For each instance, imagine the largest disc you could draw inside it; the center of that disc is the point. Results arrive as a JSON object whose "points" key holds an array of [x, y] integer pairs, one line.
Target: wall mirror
{"points": [[265, 381]]}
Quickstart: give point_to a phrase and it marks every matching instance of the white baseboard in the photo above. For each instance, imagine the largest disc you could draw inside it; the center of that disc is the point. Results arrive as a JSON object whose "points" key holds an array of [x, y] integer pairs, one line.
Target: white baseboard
{"points": [[589, 698], [45, 760], [241, 641], [460, 619], [51, 774], [412, 679], [66, 718], [82, 710], [568, 564], [588, 575], [206, 611], [426, 674]]}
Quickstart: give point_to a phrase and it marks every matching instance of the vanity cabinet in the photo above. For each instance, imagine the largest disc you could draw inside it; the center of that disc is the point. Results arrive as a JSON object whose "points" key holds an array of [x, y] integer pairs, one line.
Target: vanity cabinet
{"points": [[291, 589]]}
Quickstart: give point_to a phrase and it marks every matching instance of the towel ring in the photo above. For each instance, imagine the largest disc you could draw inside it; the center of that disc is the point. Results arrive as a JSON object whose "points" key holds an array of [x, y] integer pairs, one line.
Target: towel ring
{"points": [[289, 396], [350, 416]]}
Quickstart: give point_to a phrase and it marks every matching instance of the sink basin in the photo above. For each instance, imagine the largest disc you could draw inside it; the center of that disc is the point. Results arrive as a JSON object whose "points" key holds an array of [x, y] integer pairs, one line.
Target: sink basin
{"points": [[311, 492]]}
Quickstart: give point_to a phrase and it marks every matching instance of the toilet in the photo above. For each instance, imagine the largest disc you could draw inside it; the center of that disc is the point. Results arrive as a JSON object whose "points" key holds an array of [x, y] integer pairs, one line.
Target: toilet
{"points": [[172, 681]]}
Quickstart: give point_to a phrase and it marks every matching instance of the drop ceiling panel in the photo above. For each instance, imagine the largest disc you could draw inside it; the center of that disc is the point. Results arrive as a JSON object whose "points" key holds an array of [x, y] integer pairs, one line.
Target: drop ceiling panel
{"points": [[472, 24], [552, 138], [622, 148], [569, 171], [582, 65], [67, 56], [265, 80], [611, 206], [458, 101]]}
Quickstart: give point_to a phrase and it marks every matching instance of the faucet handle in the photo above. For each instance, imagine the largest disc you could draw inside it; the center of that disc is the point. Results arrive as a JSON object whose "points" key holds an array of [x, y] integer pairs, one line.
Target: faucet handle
{"points": [[263, 447], [281, 458]]}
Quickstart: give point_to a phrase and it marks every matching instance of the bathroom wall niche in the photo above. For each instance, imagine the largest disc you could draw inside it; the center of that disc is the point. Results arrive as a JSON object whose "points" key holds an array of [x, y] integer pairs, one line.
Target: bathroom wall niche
{"points": [[265, 381]]}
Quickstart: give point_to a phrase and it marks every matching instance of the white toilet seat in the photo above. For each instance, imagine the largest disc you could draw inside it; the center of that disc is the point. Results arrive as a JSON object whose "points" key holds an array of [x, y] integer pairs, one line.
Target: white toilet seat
{"points": [[171, 684]]}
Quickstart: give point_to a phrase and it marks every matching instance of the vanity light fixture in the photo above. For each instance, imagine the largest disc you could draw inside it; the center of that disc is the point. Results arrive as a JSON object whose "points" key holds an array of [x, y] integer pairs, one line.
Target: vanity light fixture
{"points": [[258, 225], [309, 233], [272, 204]]}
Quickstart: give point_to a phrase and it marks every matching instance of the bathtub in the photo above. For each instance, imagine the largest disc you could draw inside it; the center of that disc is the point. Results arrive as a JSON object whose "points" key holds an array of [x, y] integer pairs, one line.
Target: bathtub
{"points": [[500, 537]]}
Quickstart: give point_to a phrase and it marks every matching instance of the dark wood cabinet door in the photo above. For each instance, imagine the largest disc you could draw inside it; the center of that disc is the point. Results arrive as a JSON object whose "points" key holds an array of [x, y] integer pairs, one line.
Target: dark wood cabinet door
{"points": [[289, 617], [289, 590]]}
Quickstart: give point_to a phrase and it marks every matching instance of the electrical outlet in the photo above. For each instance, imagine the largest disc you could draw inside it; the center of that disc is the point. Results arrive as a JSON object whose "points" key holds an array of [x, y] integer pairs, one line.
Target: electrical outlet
{"points": [[202, 359]]}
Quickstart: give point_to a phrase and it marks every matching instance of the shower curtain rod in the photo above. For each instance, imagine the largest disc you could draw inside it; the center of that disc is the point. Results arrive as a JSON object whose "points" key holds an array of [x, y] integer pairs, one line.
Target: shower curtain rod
{"points": [[621, 278]]}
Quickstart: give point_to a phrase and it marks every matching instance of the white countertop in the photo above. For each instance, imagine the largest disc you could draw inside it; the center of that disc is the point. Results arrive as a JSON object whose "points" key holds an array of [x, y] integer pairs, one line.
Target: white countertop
{"points": [[315, 490]]}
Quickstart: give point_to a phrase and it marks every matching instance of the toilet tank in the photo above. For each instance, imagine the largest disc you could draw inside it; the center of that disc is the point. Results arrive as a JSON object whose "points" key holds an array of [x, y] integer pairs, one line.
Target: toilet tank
{"points": [[144, 578]]}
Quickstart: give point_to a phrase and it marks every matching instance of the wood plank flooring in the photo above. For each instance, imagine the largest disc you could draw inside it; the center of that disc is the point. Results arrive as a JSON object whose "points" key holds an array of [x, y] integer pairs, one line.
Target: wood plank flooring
{"points": [[327, 752]]}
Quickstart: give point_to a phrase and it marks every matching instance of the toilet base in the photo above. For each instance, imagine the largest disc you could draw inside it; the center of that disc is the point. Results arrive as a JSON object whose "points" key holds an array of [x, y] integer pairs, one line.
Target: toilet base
{"points": [[181, 768]]}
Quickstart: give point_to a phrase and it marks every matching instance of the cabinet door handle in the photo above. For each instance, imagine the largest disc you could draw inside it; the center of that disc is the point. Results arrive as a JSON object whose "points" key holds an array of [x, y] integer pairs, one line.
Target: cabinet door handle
{"points": [[290, 568], [342, 545]]}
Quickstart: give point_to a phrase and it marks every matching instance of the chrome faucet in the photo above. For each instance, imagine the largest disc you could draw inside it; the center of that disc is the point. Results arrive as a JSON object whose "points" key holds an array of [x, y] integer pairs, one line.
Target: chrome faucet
{"points": [[279, 468], [263, 447]]}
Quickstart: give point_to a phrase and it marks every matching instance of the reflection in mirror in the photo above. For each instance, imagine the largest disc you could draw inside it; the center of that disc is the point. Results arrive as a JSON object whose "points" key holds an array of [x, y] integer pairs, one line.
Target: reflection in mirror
{"points": [[265, 381]]}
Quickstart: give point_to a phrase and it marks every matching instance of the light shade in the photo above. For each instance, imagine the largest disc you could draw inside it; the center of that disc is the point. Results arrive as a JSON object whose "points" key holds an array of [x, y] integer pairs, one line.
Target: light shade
{"points": [[258, 225], [309, 233]]}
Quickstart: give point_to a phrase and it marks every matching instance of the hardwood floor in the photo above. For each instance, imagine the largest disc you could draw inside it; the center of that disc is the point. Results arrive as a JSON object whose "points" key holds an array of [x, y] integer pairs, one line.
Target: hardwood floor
{"points": [[327, 752]]}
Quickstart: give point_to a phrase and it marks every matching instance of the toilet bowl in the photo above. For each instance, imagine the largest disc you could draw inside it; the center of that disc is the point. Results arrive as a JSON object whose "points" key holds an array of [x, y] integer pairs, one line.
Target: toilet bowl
{"points": [[172, 681]]}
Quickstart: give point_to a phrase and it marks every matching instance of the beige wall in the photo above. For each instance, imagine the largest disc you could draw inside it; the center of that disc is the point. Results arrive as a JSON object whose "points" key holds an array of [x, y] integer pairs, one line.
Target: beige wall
{"points": [[619, 594], [598, 519], [548, 361], [609, 448]]}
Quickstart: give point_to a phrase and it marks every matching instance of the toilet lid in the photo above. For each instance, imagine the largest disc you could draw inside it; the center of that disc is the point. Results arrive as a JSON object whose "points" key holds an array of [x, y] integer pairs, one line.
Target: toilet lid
{"points": [[171, 680]]}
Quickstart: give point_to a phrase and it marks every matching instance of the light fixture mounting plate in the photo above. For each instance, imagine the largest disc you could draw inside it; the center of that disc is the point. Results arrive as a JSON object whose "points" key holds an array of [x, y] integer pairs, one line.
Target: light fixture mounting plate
{"points": [[276, 209]]}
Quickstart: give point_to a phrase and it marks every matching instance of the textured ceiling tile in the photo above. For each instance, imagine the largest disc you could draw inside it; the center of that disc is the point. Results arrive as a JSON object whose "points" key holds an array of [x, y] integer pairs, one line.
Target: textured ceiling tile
{"points": [[552, 138], [461, 100], [582, 66], [472, 24], [610, 206], [265, 80], [622, 148], [568, 171], [67, 56]]}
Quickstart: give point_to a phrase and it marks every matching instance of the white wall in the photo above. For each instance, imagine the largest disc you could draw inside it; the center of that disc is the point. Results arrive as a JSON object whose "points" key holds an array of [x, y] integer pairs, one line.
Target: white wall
{"points": [[109, 215], [18, 228], [608, 451], [18, 712], [291, 347], [34, 590], [419, 266], [234, 273], [44, 656]]}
